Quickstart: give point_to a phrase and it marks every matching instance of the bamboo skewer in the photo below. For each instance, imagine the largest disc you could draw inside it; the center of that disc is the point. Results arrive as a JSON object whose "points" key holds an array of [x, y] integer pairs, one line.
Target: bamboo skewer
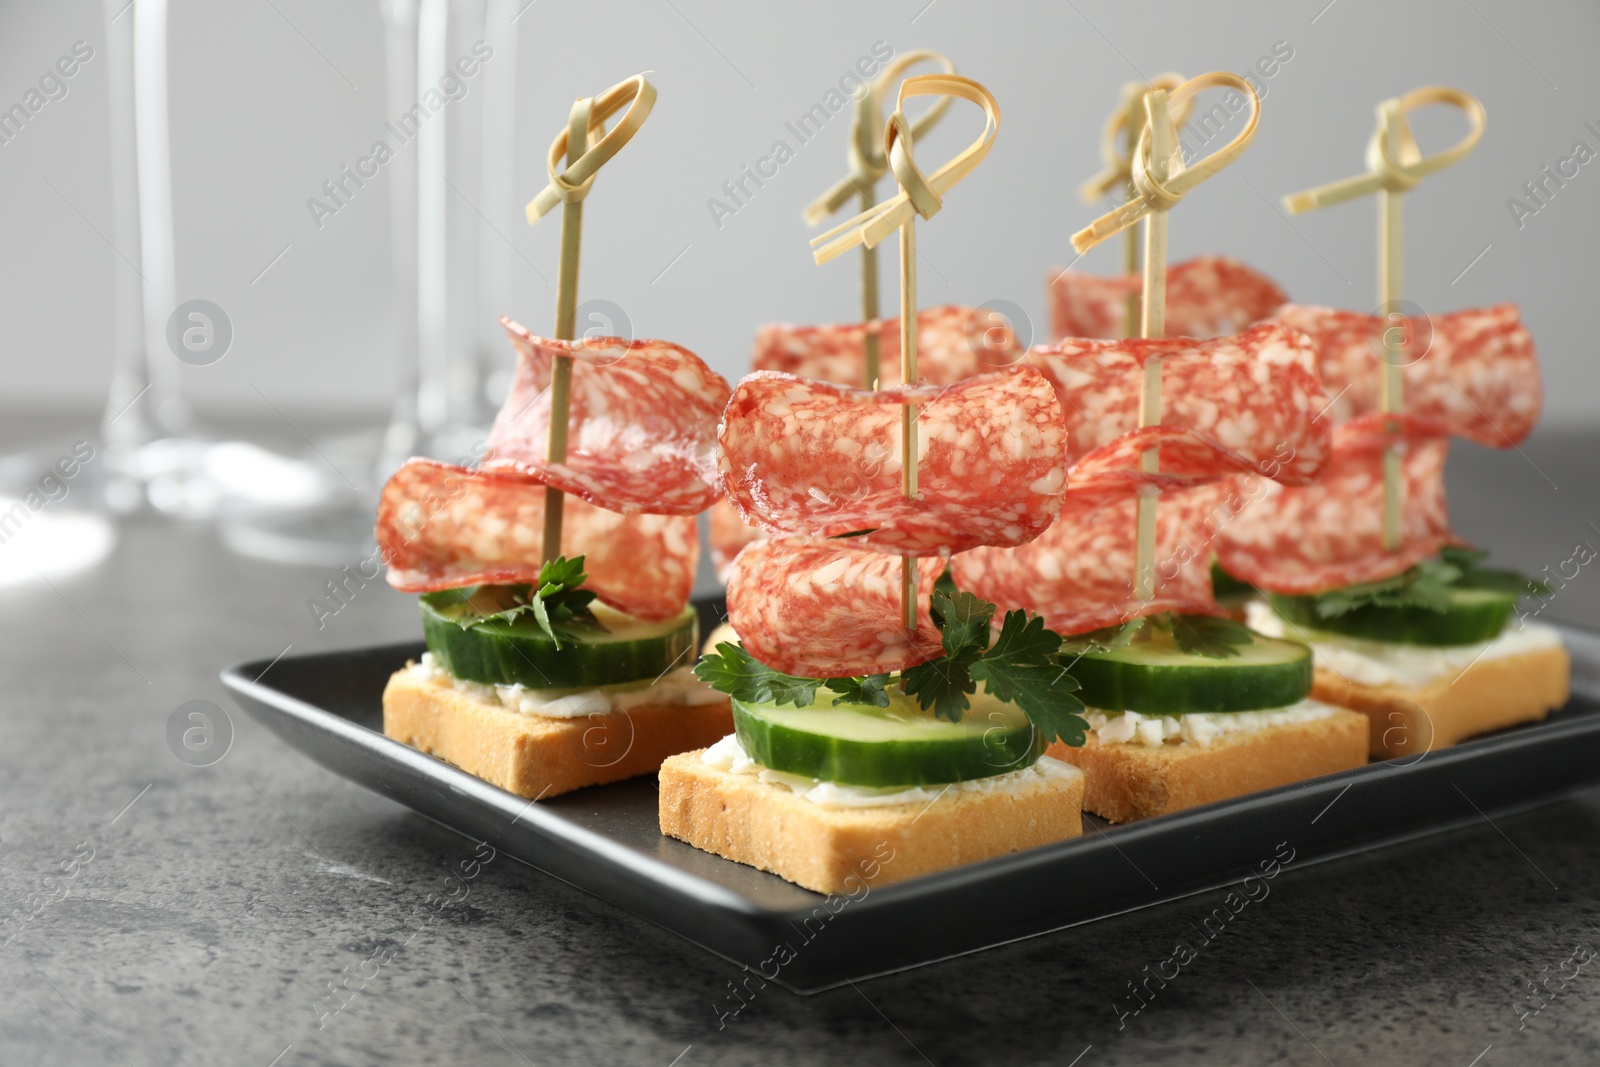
{"points": [[908, 412], [1395, 166], [568, 188], [867, 164], [1161, 180], [1153, 323], [1118, 173], [919, 195]]}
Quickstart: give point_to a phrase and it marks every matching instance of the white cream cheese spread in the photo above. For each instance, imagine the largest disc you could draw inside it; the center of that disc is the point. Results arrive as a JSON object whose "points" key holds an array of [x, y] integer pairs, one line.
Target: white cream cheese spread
{"points": [[1365, 662], [675, 688], [729, 755], [1134, 728]]}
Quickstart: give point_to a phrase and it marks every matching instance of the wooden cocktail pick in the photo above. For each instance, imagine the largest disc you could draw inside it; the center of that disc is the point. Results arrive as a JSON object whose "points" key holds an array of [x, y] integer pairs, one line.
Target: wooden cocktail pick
{"points": [[1118, 141], [1161, 180], [1394, 167], [867, 164], [586, 146], [921, 195]]}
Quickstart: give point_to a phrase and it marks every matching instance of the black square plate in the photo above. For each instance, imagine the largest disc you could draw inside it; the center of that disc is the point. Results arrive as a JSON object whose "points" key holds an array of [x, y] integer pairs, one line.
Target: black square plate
{"points": [[606, 840]]}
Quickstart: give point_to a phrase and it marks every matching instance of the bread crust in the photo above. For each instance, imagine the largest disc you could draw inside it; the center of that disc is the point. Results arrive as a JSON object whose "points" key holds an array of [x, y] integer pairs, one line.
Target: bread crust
{"points": [[1126, 782], [1489, 695], [534, 756], [838, 850]]}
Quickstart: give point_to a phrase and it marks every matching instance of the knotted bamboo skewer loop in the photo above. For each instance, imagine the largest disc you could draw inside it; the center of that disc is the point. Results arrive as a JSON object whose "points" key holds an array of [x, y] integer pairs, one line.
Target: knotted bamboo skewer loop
{"points": [[571, 185], [1155, 193], [871, 227], [1398, 171], [868, 162]]}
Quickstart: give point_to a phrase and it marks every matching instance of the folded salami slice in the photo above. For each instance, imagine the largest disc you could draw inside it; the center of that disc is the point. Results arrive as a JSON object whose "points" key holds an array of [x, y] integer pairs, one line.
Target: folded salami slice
{"points": [[441, 526], [822, 609], [1469, 373], [1318, 537], [729, 534], [1206, 297], [808, 457], [952, 343], [643, 423], [1230, 405], [1079, 573]]}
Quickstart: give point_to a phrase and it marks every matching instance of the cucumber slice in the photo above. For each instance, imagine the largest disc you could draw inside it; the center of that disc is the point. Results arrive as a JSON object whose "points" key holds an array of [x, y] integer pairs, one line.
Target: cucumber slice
{"points": [[497, 652], [1154, 675], [1475, 615], [900, 745]]}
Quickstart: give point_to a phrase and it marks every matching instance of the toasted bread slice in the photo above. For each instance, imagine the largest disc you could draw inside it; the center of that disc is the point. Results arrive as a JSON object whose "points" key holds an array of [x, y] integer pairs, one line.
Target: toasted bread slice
{"points": [[837, 850], [536, 756], [1490, 694], [1129, 781]]}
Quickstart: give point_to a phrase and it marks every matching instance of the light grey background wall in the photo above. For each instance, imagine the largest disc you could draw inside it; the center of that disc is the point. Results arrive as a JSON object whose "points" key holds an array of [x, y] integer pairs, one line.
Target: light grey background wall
{"points": [[271, 97]]}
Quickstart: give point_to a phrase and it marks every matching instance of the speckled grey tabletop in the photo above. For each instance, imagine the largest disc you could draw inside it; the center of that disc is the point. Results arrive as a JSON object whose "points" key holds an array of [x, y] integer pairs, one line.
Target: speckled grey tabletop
{"points": [[168, 914]]}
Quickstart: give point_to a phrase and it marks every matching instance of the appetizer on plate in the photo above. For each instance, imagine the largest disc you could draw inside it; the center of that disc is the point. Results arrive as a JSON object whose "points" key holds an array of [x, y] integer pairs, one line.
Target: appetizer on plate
{"points": [[1166, 438], [547, 672], [1408, 626], [883, 729]]}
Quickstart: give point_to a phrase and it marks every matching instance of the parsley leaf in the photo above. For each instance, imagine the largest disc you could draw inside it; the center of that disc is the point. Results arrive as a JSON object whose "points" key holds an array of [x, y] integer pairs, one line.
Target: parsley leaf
{"points": [[868, 689], [1428, 585], [1206, 635], [1022, 670], [944, 683], [1493, 578], [556, 602], [732, 670]]}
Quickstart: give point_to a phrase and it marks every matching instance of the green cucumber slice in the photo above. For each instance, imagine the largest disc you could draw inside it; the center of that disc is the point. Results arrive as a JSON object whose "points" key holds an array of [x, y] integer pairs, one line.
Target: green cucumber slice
{"points": [[497, 652], [1475, 615], [1154, 675], [900, 745]]}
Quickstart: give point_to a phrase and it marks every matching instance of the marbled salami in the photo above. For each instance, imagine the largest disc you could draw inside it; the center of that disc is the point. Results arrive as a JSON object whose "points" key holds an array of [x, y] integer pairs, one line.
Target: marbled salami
{"points": [[1318, 537], [1206, 297], [1079, 573], [643, 423], [442, 526], [808, 457], [821, 609], [1239, 404], [1472, 373], [952, 343]]}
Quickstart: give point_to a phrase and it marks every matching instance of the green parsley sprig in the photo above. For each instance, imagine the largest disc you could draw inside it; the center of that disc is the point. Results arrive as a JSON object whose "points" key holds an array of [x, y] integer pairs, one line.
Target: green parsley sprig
{"points": [[1428, 584], [558, 603], [1021, 666]]}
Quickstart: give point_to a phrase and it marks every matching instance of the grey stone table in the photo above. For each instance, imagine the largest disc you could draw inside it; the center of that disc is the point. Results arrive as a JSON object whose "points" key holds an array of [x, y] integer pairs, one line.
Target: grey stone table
{"points": [[209, 910]]}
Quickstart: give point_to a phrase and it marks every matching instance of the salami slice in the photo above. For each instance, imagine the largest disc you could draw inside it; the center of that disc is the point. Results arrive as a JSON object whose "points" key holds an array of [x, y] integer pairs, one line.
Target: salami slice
{"points": [[952, 343], [1079, 573], [1470, 374], [822, 609], [643, 423], [1318, 537], [808, 457], [1206, 297], [1239, 404], [729, 534], [442, 526]]}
